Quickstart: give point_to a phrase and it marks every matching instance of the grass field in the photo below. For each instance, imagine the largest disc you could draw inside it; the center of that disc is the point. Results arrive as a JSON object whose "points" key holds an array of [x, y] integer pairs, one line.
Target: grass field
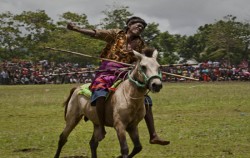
{"points": [[202, 120]]}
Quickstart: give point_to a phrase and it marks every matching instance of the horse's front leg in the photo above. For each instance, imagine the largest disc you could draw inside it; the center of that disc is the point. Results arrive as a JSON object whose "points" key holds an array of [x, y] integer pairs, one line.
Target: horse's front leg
{"points": [[121, 134], [134, 135]]}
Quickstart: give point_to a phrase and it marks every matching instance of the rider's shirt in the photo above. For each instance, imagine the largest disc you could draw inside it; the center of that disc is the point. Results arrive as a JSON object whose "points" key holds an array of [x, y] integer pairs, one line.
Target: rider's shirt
{"points": [[117, 47]]}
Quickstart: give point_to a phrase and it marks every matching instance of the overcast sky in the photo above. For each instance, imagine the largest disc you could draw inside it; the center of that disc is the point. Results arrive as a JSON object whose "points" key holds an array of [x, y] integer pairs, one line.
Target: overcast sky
{"points": [[176, 16]]}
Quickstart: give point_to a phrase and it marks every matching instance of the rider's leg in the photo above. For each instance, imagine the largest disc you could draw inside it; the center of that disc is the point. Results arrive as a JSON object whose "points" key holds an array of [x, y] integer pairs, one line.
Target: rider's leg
{"points": [[100, 109], [98, 99], [149, 119]]}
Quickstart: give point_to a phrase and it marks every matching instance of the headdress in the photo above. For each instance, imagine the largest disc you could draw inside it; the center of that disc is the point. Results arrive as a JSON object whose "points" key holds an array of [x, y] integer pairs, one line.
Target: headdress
{"points": [[135, 19]]}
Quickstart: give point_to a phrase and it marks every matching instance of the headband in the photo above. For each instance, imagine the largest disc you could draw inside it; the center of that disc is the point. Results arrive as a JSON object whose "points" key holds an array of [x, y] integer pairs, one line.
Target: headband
{"points": [[136, 19]]}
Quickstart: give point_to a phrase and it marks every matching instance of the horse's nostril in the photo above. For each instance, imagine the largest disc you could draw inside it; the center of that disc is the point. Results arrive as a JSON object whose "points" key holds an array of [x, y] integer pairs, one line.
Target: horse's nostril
{"points": [[153, 85], [156, 87]]}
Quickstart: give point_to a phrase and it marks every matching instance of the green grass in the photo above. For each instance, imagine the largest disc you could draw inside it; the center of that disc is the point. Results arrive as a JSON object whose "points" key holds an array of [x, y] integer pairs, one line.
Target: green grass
{"points": [[202, 120]]}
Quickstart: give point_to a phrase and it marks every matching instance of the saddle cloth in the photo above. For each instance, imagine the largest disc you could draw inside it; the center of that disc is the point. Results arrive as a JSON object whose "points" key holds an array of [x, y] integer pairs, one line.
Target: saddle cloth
{"points": [[84, 89]]}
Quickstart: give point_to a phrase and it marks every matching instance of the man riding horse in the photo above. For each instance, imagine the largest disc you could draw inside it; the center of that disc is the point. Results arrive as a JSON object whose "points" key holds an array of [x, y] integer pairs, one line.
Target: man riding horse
{"points": [[119, 47]]}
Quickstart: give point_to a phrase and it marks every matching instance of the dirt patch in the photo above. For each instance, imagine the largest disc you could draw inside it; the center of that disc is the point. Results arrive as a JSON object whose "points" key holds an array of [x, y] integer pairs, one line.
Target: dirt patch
{"points": [[27, 150], [76, 157]]}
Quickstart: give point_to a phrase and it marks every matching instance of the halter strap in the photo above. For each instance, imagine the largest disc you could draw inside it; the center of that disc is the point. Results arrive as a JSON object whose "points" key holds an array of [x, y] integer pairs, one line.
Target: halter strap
{"points": [[146, 79]]}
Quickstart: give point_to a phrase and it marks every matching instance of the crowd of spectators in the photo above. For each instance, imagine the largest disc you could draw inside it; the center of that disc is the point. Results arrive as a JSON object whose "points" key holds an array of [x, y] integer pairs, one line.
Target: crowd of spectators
{"points": [[44, 72], [210, 71]]}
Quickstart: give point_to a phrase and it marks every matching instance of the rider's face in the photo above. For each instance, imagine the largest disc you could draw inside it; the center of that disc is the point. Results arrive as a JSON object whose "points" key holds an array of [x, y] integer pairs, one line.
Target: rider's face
{"points": [[136, 28]]}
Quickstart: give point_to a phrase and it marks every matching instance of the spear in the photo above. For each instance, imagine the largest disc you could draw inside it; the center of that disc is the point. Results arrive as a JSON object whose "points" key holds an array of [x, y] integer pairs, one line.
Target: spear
{"points": [[85, 55], [171, 65], [89, 71], [85, 71], [180, 76]]}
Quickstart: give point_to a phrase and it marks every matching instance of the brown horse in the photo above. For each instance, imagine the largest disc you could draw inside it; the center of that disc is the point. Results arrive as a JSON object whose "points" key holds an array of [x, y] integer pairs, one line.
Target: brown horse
{"points": [[124, 108]]}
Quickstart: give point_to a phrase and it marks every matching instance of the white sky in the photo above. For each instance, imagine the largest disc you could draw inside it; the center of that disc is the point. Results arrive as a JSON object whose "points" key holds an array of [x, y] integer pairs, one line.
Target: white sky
{"points": [[176, 16]]}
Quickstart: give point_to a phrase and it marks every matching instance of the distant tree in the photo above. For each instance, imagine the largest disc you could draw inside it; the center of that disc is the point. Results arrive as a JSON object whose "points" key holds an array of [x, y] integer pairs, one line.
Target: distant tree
{"points": [[150, 33], [65, 39], [10, 36], [79, 19], [166, 44], [36, 27], [25, 35], [244, 31], [191, 47], [115, 17], [225, 40]]}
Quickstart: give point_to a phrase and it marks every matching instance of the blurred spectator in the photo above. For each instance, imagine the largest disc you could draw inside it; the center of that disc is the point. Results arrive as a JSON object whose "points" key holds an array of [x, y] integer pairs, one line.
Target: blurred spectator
{"points": [[4, 76]]}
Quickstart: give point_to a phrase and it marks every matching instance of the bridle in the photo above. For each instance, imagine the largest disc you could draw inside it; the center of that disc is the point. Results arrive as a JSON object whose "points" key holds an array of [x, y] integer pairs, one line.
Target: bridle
{"points": [[146, 79]]}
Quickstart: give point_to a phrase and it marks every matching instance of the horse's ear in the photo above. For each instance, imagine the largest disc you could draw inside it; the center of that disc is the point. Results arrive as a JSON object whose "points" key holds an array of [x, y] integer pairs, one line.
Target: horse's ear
{"points": [[155, 54], [137, 54]]}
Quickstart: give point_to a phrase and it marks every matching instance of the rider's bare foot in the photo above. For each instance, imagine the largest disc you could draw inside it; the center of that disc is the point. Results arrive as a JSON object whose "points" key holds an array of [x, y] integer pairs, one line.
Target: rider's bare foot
{"points": [[157, 140]]}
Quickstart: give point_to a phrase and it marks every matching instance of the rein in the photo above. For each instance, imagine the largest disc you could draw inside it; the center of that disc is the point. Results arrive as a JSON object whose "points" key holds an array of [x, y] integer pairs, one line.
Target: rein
{"points": [[146, 79]]}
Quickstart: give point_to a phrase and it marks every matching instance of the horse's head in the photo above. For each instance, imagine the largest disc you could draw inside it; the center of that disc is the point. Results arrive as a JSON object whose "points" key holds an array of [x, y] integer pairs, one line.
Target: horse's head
{"points": [[147, 73]]}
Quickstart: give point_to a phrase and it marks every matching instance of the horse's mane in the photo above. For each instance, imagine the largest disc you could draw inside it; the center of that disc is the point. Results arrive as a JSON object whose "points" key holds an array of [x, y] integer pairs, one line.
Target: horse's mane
{"points": [[148, 52]]}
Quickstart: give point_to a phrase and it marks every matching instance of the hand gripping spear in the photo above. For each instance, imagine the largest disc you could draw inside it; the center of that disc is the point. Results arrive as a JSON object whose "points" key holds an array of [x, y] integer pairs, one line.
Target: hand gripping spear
{"points": [[85, 55]]}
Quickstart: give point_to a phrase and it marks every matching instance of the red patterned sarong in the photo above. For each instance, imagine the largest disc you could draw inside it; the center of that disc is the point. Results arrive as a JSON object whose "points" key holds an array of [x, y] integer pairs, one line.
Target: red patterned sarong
{"points": [[107, 74]]}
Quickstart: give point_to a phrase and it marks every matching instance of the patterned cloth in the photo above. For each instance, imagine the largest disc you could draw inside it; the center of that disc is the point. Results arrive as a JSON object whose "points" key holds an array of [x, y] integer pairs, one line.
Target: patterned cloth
{"points": [[108, 73], [104, 80], [117, 47]]}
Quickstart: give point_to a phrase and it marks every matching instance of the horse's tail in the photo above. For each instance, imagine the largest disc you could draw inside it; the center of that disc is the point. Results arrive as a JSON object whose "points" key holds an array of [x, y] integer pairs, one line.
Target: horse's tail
{"points": [[67, 101]]}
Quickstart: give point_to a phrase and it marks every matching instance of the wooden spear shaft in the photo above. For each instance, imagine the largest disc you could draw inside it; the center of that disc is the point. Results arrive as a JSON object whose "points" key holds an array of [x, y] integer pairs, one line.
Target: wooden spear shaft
{"points": [[85, 55], [175, 75], [179, 76], [177, 65]]}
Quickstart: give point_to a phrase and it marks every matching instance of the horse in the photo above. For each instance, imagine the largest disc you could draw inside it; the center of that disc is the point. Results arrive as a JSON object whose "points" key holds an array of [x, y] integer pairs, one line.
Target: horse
{"points": [[124, 108]]}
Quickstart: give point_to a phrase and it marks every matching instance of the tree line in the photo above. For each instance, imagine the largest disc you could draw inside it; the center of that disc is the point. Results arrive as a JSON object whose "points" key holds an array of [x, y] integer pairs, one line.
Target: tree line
{"points": [[24, 36]]}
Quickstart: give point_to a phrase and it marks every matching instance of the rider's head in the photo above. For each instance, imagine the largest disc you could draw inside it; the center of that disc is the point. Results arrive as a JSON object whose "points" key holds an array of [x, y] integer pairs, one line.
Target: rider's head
{"points": [[136, 25], [135, 19]]}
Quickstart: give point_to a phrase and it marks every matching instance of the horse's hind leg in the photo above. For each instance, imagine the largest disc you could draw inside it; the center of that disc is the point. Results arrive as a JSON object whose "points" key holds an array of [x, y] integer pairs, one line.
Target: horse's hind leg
{"points": [[94, 142], [71, 123], [133, 133]]}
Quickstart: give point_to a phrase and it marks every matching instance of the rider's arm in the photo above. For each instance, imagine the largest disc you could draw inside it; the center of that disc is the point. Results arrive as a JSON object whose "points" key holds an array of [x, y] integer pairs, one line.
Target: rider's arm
{"points": [[84, 31], [105, 35]]}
